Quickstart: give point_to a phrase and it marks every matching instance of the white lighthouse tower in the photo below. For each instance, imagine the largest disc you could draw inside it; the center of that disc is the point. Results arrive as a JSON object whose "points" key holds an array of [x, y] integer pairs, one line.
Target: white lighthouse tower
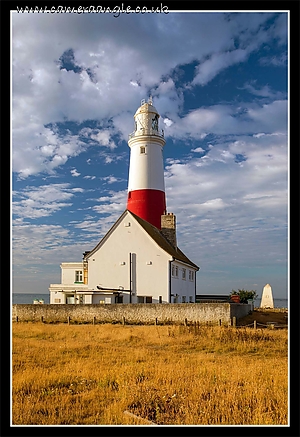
{"points": [[146, 187]]}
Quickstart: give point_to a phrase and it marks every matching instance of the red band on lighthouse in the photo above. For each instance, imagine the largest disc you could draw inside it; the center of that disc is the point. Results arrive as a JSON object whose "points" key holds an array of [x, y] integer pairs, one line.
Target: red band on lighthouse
{"points": [[147, 204]]}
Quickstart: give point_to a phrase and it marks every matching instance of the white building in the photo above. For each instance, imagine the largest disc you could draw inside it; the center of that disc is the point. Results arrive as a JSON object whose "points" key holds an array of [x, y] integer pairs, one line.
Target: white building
{"points": [[135, 262], [138, 260]]}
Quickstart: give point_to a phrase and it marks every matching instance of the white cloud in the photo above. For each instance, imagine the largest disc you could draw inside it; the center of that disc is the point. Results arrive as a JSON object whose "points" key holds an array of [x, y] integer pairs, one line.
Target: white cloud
{"points": [[44, 94], [226, 214], [217, 175], [272, 117], [42, 201], [198, 150], [168, 122], [111, 179], [103, 137], [264, 91], [74, 173], [277, 61], [208, 69], [247, 118], [39, 149]]}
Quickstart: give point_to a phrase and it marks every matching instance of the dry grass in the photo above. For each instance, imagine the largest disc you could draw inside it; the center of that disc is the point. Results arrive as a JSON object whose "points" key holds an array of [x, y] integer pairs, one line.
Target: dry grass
{"points": [[171, 375]]}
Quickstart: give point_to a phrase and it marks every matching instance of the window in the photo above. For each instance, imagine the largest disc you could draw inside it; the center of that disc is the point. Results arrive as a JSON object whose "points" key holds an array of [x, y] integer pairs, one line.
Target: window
{"points": [[191, 275], [142, 149], [183, 299], [190, 299], [159, 299], [144, 299], [174, 271], [183, 273], [78, 276], [57, 300]]}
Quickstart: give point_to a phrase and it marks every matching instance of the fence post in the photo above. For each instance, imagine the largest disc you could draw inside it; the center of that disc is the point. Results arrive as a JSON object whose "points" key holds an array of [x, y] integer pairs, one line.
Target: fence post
{"points": [[254, 324], [17, 318], [220, 322], [123, 320], [155, 321], [69, 318], [234, 321], [185, 322], [94, 320], [42, 319]]}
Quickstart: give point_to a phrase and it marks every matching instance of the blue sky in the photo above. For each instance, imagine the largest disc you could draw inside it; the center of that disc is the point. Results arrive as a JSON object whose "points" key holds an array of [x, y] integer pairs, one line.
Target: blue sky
{"points": [[220, 84]]}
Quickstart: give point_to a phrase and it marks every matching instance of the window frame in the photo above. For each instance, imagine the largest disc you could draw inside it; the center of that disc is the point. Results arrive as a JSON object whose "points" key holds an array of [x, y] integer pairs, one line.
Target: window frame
{"points": [[78, 275], [191, 275]]}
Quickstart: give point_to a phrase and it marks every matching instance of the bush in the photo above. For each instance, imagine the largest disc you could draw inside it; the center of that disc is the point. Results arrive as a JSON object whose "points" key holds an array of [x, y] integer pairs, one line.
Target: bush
{"points": [[245, 295]]}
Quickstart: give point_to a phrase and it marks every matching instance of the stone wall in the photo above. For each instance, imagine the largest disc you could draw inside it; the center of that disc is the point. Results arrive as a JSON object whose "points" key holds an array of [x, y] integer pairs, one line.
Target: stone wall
{"points": [[133, 313]]}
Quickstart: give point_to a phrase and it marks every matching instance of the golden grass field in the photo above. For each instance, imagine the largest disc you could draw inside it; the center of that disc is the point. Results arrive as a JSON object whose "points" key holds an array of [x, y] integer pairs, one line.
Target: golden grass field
{"points": [[133, 375]]}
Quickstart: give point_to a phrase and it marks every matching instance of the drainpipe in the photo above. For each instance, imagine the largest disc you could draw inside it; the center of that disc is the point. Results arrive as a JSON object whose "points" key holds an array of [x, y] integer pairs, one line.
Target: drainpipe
{"points": [[195, 285], [170, 280], [130, 276], [85, 272]]}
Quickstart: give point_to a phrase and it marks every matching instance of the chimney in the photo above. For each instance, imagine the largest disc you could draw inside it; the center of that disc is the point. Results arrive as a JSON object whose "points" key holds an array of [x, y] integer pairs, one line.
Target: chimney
{"points": [[168, 228]]}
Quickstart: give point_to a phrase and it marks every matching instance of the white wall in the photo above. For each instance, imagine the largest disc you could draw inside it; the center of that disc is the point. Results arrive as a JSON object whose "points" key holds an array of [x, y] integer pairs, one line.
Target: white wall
{"points": [[88, 298], [150, 263], [68, 272], [55, 296], [146, 169], [183, 287]]}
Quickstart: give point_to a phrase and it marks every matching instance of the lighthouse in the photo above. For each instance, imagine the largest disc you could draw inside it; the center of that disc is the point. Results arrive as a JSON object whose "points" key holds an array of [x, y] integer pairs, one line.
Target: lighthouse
{"points": [[146, 187], [138, 260]]}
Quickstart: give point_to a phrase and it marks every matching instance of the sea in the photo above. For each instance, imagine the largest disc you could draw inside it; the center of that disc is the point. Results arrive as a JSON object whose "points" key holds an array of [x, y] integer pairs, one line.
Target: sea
{"points": [[26, 298]]}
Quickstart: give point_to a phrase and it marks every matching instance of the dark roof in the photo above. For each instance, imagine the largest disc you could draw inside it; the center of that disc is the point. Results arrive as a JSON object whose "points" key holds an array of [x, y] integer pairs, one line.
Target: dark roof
{"points": [[210, 297], [155, 234]]}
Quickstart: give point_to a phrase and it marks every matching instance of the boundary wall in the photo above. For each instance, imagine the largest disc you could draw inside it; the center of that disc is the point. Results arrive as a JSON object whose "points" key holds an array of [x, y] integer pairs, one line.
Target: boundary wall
{"points": [[131, 313]]}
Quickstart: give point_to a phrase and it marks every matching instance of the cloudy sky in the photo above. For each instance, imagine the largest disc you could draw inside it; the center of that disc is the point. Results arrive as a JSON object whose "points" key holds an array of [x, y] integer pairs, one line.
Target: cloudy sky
{"points": [[220, 84]]}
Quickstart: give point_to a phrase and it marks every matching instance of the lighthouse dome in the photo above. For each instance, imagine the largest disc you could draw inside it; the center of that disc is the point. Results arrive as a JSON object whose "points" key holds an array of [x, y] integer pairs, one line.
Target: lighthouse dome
{"points": [[146, 122], [146, 107]]}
